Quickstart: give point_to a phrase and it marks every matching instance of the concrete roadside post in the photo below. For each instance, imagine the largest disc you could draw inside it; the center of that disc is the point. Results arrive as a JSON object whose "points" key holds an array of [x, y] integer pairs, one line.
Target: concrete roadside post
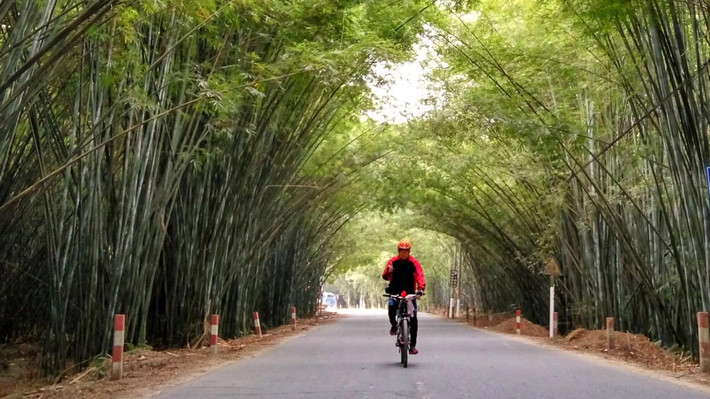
{"points": [[556, 324], [293, 318], [458, 292], [704, 341], [518, 314], [610, 333], [457, 312], [119, 327], [490, 315], [214, 332], [552, 269], [257, 325]]}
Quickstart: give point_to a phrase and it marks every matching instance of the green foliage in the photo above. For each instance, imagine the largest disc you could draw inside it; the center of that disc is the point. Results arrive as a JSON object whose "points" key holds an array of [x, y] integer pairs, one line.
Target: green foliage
{"points": [[544, 145], [370, 240], [165, 153], [174, 159]]}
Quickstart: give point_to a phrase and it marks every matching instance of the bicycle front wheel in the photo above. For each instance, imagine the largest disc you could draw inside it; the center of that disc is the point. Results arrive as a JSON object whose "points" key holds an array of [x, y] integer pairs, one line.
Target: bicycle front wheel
{"points": [[404, 340]]}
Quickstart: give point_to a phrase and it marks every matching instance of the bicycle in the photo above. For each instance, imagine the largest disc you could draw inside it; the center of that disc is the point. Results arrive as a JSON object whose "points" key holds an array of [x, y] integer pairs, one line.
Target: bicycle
{"points": [[403, 332]]}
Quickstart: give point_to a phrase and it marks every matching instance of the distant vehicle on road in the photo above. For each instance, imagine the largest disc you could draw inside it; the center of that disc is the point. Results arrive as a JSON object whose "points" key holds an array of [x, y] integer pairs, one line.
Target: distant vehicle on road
{"points": [[330, 301]]}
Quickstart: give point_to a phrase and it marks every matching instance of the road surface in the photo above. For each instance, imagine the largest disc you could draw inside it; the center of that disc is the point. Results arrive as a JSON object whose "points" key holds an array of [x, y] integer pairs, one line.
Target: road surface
{"points": [[356, 358]]}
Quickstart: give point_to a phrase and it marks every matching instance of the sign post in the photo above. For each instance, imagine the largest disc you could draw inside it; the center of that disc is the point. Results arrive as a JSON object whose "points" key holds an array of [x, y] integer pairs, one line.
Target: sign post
{"points": [[552, 269], [453, 283]]}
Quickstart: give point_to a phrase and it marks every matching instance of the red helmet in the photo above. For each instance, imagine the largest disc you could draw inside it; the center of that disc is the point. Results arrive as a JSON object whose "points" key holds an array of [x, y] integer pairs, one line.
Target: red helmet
{"points": [[404, 244]]}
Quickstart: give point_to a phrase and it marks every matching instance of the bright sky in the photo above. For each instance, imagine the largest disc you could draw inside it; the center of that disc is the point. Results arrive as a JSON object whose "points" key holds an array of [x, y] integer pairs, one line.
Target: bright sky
{"points": [[404, 90]]}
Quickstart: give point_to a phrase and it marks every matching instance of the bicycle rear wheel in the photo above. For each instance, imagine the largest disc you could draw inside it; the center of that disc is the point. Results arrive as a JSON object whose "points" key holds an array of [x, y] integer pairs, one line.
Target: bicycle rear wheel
{"points": [[404, 340]]}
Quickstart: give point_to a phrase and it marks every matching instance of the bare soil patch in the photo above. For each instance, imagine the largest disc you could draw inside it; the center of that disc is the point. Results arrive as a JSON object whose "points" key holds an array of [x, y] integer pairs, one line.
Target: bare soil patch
{"points": [[529, 329], [144, 371], [635, 348]]}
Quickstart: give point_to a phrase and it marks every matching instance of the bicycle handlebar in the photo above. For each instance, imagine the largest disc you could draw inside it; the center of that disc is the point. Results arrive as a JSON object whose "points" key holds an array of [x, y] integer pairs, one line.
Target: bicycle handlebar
{"points": [[397, 296]]}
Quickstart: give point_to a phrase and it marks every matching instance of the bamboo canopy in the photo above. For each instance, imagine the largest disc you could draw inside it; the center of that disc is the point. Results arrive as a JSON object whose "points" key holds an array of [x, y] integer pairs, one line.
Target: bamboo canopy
{"points": [[153, 162], [175, 159]]}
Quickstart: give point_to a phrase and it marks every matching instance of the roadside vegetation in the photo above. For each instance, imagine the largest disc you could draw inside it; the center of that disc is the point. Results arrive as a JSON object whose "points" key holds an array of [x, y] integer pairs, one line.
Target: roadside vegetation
{"points": [[173, 159]]}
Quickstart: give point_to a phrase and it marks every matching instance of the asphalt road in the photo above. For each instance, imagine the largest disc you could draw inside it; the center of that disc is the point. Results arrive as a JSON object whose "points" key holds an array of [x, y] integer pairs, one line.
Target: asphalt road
{"points": [[356, 358]]}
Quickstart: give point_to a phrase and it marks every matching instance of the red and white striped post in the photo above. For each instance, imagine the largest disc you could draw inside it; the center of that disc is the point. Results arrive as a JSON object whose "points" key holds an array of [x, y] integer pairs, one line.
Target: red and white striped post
{"points": [[704, 340], [555, 324], [214, 330], [257, 325], [293, 318], [119, 326], [610, 333], [518, 313]]}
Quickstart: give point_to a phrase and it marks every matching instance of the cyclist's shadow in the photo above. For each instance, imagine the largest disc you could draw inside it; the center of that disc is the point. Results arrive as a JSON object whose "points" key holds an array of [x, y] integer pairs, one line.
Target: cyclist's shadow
{"points": [[391, 365]]}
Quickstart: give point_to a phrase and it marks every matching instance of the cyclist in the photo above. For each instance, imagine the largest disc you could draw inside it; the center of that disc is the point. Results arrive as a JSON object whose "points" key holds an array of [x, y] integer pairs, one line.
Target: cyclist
{"points": [[404, 273]]}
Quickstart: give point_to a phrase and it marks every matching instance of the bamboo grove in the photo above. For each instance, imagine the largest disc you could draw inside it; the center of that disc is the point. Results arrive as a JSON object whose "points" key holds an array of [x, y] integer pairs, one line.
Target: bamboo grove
{"points": [[576, 130], [173, 159], [160, 159]]}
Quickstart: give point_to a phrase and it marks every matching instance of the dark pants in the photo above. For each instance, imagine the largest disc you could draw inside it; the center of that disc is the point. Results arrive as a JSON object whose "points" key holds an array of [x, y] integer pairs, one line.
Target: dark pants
{"points": [[413, 321]]}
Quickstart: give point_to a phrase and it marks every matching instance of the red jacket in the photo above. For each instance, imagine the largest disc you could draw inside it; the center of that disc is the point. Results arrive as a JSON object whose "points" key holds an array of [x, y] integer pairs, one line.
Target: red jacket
{"points": [[420, 282]]}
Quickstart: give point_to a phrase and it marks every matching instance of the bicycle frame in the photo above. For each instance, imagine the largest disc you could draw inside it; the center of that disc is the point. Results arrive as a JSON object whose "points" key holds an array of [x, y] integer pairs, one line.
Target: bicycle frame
{"points": [[403, 316]]}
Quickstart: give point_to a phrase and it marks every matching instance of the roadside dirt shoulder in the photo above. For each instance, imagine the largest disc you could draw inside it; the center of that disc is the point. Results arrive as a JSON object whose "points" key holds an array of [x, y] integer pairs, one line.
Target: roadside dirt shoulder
{"points": [[146, 372], [635, 352]]}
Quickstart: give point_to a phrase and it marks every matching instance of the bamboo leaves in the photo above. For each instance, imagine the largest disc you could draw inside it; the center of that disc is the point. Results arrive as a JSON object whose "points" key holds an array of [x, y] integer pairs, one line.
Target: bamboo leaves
{"points": [[154, 160], [609, 105]]}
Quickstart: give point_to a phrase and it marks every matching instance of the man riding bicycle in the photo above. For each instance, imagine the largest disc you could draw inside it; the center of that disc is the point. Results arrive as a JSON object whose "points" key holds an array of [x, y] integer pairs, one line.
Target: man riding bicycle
{"points": [[404, 274]]}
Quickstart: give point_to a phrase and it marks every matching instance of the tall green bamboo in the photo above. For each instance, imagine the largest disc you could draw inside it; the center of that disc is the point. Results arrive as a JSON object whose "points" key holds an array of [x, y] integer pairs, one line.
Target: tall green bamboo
{"points": [[153, 162]]}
